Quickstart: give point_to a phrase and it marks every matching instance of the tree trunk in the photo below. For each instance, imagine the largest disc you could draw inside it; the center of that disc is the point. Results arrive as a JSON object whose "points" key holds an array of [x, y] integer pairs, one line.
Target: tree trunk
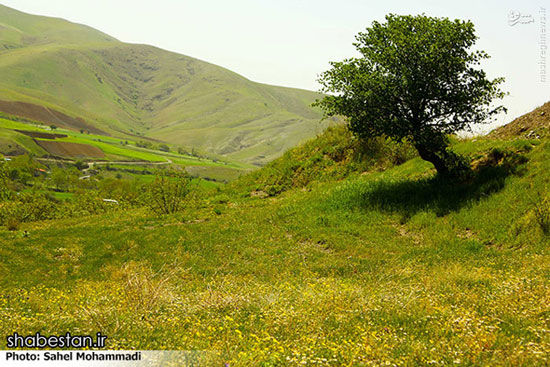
{"points": [[436, 158]]}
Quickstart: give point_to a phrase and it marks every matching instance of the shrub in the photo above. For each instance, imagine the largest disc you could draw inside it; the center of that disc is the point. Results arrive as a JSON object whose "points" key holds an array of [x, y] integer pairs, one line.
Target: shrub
{"points": [[169, 192], [12, 224], [144, 144], [507, 159], [5, 191], [81, 165], [335, 154], [28, 207], [87, 202], [144, 289], [541, 211], [220, 199], [37, 207]]}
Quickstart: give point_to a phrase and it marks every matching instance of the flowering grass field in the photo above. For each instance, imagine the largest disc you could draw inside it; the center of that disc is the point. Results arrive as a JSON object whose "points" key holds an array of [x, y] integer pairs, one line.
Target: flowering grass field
{"points": [[384, 268]]}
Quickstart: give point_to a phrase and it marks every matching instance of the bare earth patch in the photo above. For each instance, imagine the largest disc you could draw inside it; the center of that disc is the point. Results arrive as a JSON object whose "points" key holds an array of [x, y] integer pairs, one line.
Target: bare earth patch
{"points": [[65, 149], [47, 115]]}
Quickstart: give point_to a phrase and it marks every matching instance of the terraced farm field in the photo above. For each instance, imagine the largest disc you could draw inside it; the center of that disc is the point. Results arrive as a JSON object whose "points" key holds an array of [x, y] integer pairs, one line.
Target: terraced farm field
{"points": [[69, 144]]}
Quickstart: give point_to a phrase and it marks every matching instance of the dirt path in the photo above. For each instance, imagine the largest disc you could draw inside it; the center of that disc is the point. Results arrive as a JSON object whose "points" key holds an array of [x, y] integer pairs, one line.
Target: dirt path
{"points": [[98, 163], [138, 163]]}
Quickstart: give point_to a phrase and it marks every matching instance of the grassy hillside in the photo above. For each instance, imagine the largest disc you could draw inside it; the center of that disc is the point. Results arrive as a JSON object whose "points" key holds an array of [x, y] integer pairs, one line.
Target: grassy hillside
{"points": [[333, 155], [18, 29], [379, 264], [123, 89]]}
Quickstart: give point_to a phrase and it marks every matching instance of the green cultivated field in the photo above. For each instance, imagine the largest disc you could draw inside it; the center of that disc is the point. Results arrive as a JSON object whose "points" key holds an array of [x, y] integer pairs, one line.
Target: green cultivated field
{"points": [[124, 150]]}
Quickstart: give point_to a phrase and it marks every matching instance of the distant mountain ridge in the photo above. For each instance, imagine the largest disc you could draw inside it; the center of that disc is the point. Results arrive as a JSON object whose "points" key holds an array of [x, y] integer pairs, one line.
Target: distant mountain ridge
{"points": [[120, 88]]}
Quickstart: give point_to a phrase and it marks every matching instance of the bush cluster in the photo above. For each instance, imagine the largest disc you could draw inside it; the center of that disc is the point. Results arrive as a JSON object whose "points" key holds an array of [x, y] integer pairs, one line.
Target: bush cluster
{"points": [[31, 199], [335, 154]]}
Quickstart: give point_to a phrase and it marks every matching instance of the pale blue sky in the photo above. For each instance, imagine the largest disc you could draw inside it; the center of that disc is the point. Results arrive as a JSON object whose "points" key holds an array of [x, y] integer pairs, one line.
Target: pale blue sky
{"points": [[289, 42]]}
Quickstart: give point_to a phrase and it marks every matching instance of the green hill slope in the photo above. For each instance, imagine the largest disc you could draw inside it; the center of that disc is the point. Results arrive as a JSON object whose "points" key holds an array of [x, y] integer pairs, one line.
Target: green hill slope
{"points": [[18, 29], [120, 88]]}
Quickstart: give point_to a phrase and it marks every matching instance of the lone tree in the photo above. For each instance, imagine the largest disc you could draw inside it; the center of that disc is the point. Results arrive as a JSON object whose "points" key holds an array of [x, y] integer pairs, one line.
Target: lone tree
{"points": [[416, 80]]}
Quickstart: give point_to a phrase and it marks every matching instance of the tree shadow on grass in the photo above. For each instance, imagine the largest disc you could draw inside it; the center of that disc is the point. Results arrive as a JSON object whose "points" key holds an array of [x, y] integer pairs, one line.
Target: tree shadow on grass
{"points": [[434, 194]]}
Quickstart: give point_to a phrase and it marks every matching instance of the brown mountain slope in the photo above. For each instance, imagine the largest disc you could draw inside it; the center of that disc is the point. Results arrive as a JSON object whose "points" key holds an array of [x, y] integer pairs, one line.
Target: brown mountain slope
{"points": [[531, 125]]}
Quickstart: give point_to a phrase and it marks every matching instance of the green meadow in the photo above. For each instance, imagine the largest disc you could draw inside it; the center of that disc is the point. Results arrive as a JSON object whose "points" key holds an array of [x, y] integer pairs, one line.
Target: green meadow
{"points": [[383, 264]]}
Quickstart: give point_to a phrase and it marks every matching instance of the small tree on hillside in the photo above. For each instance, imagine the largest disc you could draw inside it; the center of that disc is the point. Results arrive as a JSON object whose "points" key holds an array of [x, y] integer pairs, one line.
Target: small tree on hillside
{"points": [[5, 191], [169, 192], [81, 165], [59, 179], [417, 80]]}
